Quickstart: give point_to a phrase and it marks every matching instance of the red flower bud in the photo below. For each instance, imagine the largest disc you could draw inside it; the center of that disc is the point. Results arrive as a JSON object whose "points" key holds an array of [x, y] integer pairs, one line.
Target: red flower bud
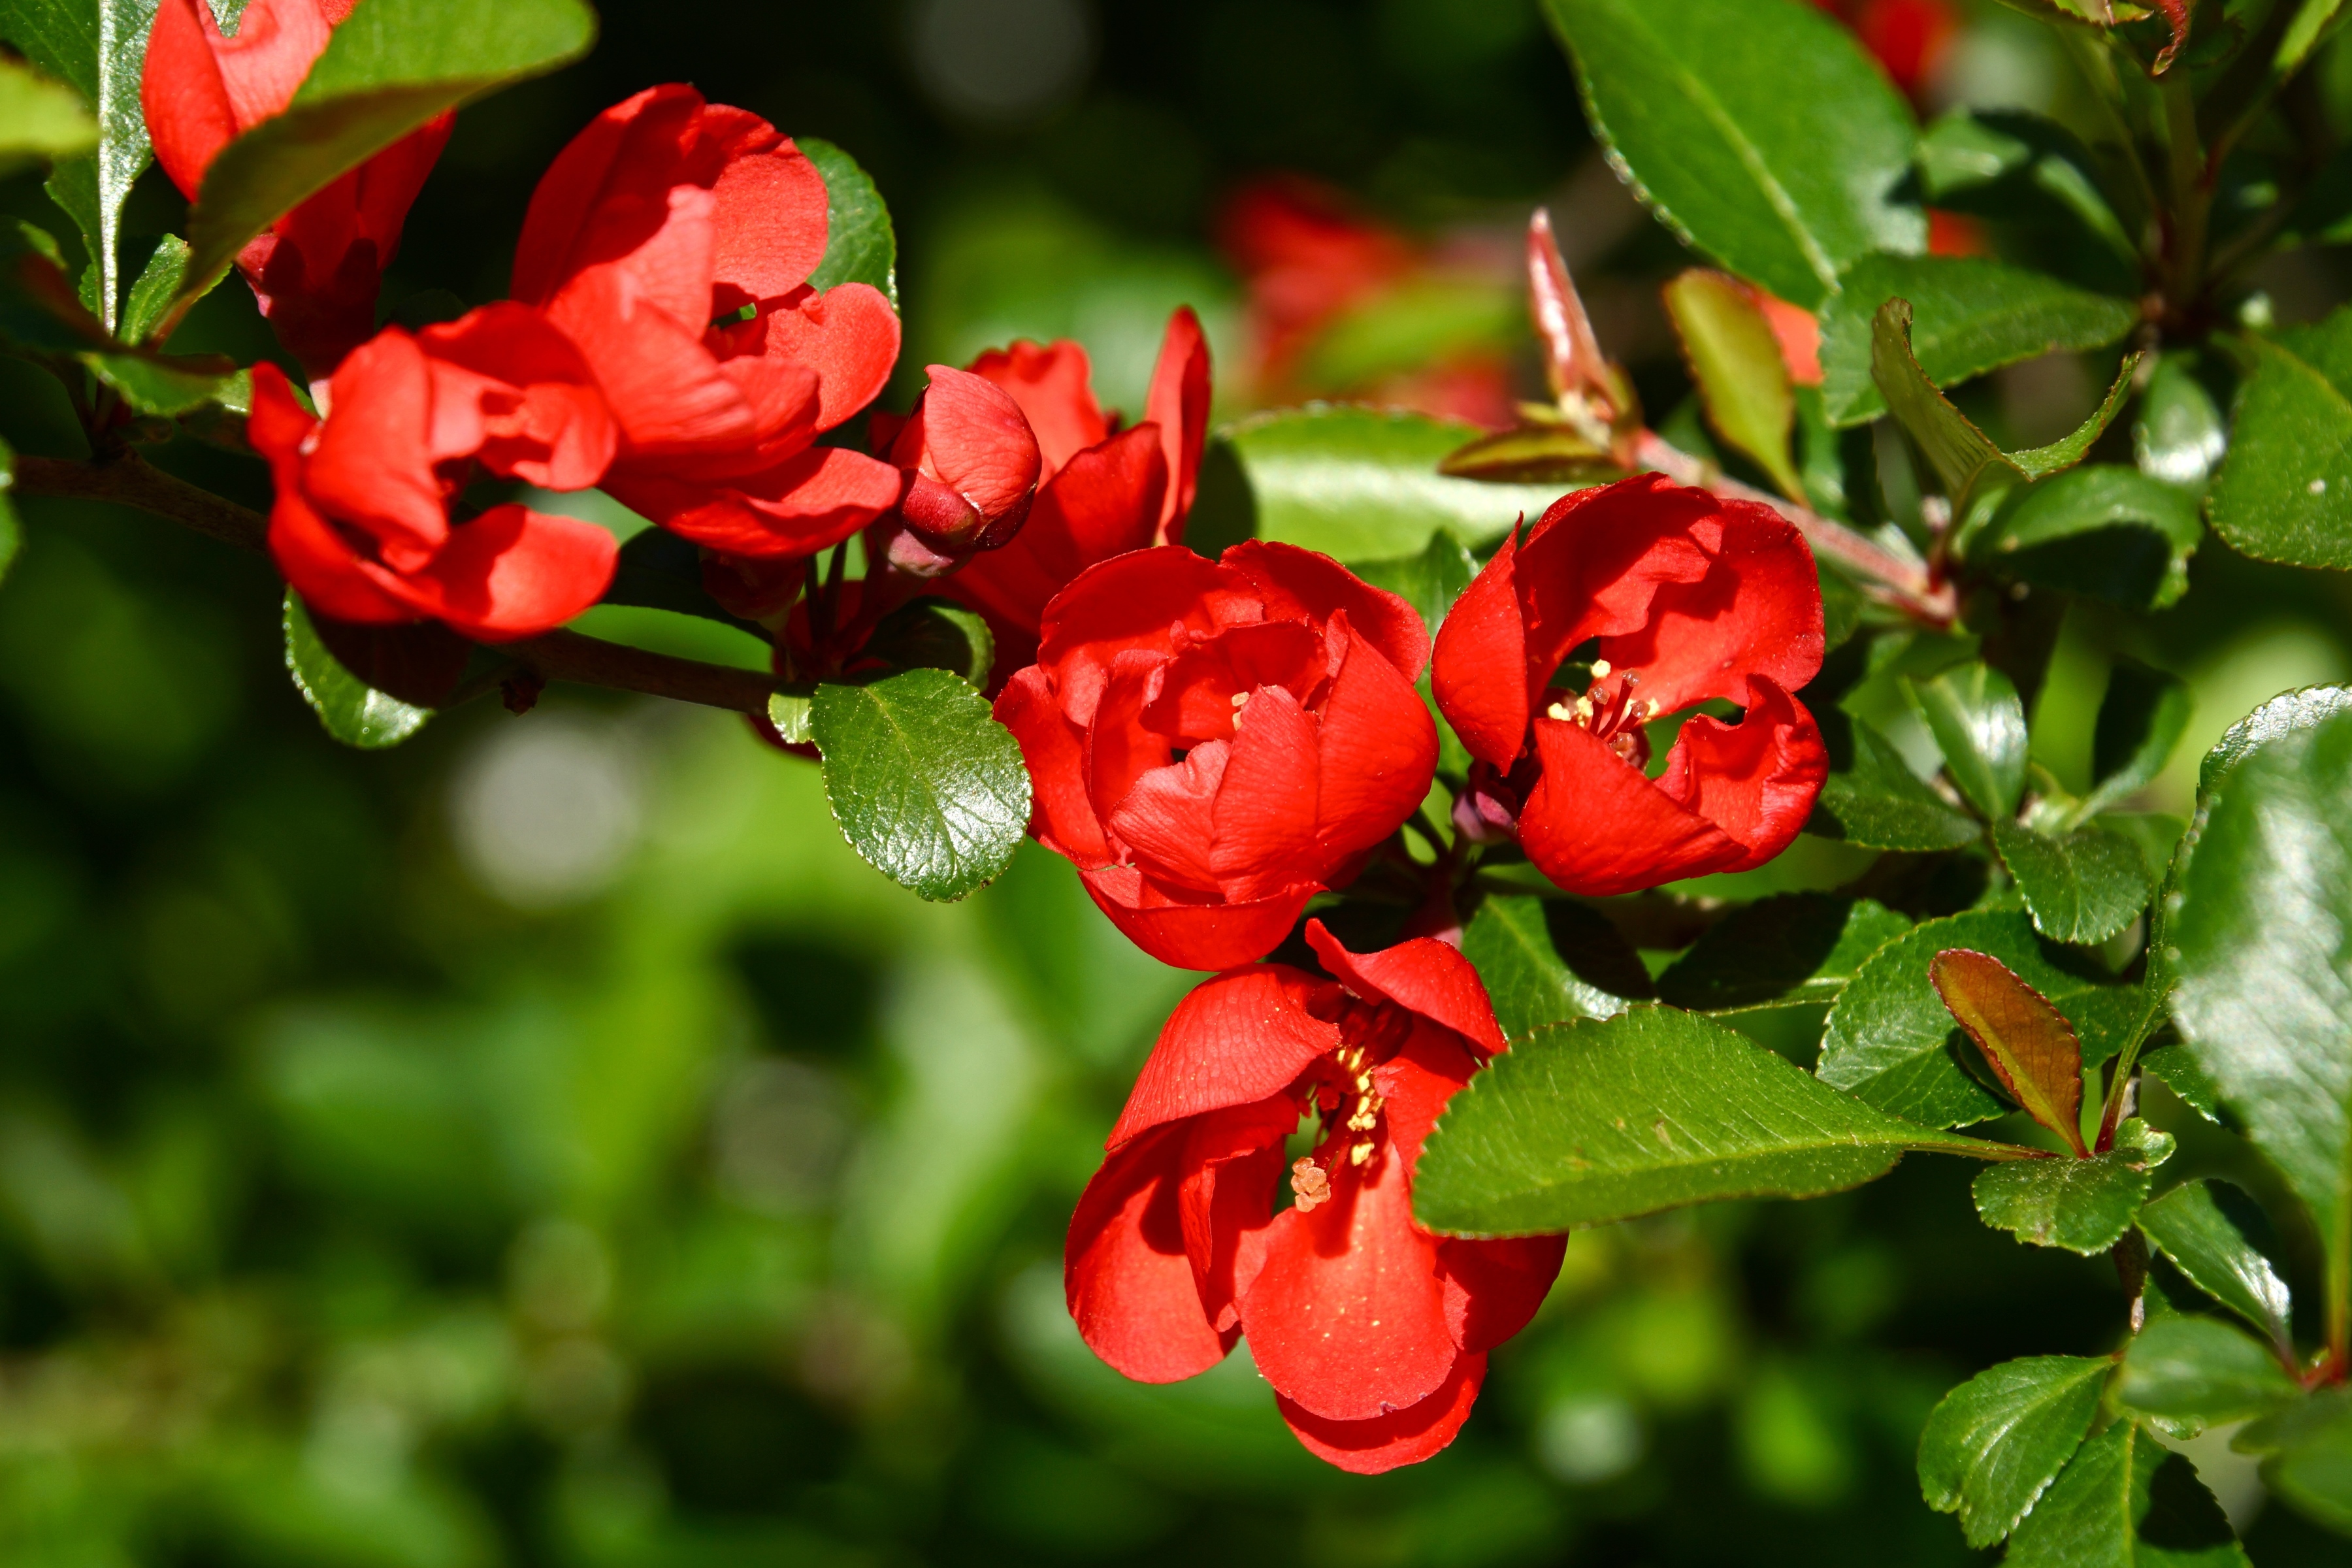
{"points": [[318, 270], [361, 525], [1691, 598], [971, 461], [1374, 1331], [1213, 743]]}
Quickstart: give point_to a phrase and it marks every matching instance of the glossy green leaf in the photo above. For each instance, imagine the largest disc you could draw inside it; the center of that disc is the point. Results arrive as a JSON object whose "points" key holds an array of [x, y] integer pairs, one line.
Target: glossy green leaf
{"points": [[2082, 886], [2256, 931], [789, 714], [2181, 434], [1970, 315], [352, 711], [2125, 1502], [393, 65], [1890, 1040], [1533, 455], [2205, 1227], [2141, 719], [1757, 129], [2027, 1042], [2308, 1449], [932, 632], [1997, 1441], [96, 47], [2081, 1206], [2190, 1373], [1879, 803], [41, 120], [924, 781], [163, 384], [2103, 529], [860, 245], [1547, 961], [1794, 950], [2282, 716], [1429, 581], [1591, 1121], [2172, 1064], [2284, 490], [2036, 179], [1735, 358], [1980, 725], [157, 285]]}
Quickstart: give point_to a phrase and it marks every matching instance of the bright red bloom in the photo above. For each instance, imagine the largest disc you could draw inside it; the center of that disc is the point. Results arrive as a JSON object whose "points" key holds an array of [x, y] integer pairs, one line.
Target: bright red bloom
{"points": [[1103, 490], [1374, 1331], [361, 525], [318, 270], [673, 240], [1691, 598], [1213, 743], [970, 460]]}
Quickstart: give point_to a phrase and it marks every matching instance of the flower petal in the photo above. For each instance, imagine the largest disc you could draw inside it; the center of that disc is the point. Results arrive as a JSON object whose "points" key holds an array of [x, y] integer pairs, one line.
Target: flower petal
{"points": [[1063, 818], [370, 465], [531, 401], [811, 501], [771, 219], [1305, 583], [1423, 975], [1596, 826], [1178, 404], [1133, 601], [1401, 1438], [1194, 933], [1051, 385], [1166, 822], [849, 335], [1125, 1273], [1494, 1288], [1265, 819], [1756, 780], [1232, 1167], [1758, 612], [1378, 750], [1234, 1039], [1100, 504], [1482, 651], [513, 572]]}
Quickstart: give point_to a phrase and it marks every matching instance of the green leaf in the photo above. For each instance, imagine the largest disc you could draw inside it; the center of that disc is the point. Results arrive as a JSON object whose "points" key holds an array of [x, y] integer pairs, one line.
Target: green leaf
{"points": [[1794, 949], [2282, 716], [2103, 529], [1890, 1040], [2179, 434], [2205, 1227], [2176, 1068], [1429, 581], [2082, 886], [1757, 129], [2125, 1502], [2284, 490], [1534, 455], [163, 384], [2191, 1373], [2027, 1042], [860, 245], [158, 284], [2030, 175], [393, 65], [2309, 1450], [2141, 720], [96, 47], [931, 632], [1735, 358], [2256, 937], [660, 571], [40, 121], [352, 711], [1996, 1442], [1545, 961], [1980, 725], [12, 532], [1591, 1121], [789, 713], [2082, 1205], [1879, 803], [1358, 484], [1970, 315], [924, 781]]}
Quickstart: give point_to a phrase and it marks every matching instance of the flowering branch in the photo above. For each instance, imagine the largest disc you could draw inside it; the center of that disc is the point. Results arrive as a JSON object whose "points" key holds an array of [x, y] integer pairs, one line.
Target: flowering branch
{"points": [[131, 480]]}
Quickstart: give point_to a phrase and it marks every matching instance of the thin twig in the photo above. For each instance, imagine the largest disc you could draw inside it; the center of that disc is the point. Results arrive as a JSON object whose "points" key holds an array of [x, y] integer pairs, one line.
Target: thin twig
{"points": [[131, 480]]}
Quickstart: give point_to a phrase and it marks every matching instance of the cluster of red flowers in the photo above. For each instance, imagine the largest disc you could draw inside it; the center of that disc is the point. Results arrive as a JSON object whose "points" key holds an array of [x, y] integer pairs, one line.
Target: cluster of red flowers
{"points": [[1213, 743]]}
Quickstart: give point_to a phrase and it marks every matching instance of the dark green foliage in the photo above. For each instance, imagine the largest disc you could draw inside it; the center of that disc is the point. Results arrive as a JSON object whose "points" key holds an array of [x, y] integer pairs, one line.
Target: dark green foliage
{"points": [[2082, 1205], [1995, 1442], [1545, 961]]}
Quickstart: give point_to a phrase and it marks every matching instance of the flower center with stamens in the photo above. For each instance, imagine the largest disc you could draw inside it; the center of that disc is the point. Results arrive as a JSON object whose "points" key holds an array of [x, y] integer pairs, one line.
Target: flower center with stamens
{"points": [[1611, 711]]}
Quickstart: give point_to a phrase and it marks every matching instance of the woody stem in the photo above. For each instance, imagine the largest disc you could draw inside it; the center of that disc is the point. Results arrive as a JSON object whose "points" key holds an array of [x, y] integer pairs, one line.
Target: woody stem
{"points": [[131, 480], [1908, 585]]}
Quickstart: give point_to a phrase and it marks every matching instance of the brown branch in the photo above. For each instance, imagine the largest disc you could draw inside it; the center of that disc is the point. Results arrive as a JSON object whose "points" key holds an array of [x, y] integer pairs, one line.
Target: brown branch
{"points": [[131, 480], [1906, 584]]}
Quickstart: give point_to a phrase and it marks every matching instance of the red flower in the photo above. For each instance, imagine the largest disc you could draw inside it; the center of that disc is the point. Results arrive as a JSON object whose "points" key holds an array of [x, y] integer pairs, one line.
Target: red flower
{"points": [[1213, 743], [1373, 1332], [970, 463], [362, 524], [1101, 494], [673, 240], [318, 270], [1692, 597]]}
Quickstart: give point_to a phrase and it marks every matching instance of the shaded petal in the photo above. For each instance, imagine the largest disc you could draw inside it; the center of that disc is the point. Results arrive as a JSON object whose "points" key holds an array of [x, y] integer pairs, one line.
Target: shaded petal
{"points": [[1304, 584], [528, 397], [975, 440], [1120, 749], [1178, 404], [1756, 780], [1379, 749], [1265, 836], [1234, 1039], [607, 193], [1124, 1271], [811, 501], [1205, 934], [1402, 1437], [1482, 651], [1232, 1167], [669, 395], [1063, 818], [1423, 975], [1134, 601], [1492, 1288], [1758, 611], [1596, 826], [513, 572], [1051, 385], [1100, 505], [370, 465], [1167, 820], [1597, 558]]}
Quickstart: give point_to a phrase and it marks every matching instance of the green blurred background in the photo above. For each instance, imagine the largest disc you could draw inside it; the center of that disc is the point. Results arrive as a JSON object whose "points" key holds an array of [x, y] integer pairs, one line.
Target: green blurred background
{"points": [[547, 1144]]}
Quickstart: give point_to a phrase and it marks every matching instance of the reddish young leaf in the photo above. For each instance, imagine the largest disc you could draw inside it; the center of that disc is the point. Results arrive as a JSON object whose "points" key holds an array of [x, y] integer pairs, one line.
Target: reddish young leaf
{"points": [[2029, 1042]]}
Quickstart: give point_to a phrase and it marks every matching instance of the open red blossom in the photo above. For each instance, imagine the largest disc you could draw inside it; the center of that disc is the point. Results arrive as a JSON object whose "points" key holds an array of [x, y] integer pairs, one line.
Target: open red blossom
{"points": [[1212, 743], [361, 526], [673, 241], [319, 268], [1691, 598], [1102, 491], [1374, 1331]]}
